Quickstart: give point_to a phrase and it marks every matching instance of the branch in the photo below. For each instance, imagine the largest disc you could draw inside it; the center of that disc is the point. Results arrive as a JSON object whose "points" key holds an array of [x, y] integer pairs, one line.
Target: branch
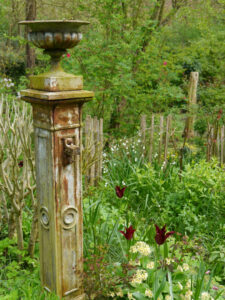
{"points": [[3, 200], [6, 182]]}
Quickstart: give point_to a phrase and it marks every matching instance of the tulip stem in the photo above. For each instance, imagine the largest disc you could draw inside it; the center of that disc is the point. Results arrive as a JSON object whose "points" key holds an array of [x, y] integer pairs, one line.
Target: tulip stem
{"points": [[128, 249], [165, 250]]}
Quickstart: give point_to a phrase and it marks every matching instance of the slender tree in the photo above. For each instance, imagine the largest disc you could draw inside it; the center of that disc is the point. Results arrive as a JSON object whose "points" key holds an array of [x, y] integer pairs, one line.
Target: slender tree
{"points": [[30, 15]]}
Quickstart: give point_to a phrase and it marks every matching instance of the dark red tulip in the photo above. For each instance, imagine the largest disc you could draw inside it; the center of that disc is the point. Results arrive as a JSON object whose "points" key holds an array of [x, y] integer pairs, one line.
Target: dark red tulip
{"points": [[120, 191], [161, 235], [20, 164], [129, 232], [219, 116]]}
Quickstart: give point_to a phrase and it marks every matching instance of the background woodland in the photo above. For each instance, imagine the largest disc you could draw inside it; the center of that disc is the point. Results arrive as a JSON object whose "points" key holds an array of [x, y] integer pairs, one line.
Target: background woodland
{"points": [[136, 55]]}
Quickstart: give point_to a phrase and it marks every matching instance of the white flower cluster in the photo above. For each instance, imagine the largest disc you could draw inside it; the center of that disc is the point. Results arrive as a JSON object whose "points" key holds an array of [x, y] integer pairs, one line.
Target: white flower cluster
{"points": [[142, 248], [135, 262], [185, 267], [119, 293], [169, 261], [7, 82], [188, 284], [205, 296], [149, 293], [150, 265], [139, 277], [188, 295], [130, 296]]}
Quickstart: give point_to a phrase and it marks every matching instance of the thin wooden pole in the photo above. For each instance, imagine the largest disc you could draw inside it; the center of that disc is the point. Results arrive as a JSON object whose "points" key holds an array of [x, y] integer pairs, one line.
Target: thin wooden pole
{"points": [[87, 145], [97, 148], [222, 145], [96, 144], [160, 138], [101, 146], [192, 100], [92, 168], [208, 143], [212, 142], [151, 147], [143, 134], [168, 122], [218, 143]]}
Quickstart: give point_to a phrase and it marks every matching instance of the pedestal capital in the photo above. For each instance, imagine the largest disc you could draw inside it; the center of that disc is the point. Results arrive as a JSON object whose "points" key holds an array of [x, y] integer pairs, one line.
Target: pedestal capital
{"points": [[51, 98]]}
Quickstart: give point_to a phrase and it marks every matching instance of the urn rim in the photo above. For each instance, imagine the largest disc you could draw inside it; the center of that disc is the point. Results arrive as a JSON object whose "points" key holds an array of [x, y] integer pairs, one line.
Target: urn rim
{"points": [[53, 25]]}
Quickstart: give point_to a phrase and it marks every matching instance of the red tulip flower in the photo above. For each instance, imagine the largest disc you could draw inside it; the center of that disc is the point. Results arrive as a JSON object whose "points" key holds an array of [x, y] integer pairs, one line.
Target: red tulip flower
{"points": [[161, 235], [20, 164], [120, 191], [129, 232], [68, 55]]}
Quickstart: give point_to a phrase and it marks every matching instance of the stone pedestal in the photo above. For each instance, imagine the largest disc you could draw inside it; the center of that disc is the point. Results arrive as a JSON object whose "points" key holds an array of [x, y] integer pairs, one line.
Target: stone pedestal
{"points": [[57, 130]]}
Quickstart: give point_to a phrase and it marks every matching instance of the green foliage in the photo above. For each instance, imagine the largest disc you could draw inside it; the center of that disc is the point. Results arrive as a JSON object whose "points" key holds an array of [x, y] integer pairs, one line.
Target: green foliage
{"points": [[152, 271], [12, 63], [98, 280], [192, 204], [200, 126], [134, 58]]}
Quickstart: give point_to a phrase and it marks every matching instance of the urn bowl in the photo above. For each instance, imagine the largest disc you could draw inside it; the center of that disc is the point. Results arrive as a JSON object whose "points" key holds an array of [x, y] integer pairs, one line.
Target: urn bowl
{"points": [[54, 34]]}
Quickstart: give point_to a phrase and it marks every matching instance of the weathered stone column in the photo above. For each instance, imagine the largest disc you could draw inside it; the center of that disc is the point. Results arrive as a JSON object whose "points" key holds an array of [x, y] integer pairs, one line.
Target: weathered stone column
{"points": [[57, 99]]}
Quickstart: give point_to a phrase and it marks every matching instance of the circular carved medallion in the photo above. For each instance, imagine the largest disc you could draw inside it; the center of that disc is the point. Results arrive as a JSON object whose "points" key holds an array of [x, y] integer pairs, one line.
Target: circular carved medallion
{"points": [[44, 217], [69, 217]]}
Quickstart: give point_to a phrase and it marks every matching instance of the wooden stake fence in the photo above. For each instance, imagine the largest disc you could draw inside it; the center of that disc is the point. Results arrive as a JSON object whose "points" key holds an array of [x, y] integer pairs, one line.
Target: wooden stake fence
{"points": [[156, 143], [155, 131], [160, 137], [92, 151]]}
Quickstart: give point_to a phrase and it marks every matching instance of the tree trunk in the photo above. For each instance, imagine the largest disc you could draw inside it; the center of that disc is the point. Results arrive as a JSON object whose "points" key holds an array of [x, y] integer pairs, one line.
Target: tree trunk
{"points": [[11, 225], [33, 233], [30, 15], [19, 230]]}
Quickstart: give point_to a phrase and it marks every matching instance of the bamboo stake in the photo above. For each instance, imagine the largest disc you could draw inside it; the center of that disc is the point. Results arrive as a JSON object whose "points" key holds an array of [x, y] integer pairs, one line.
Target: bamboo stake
{"points": [[168, 122], [87, 143], [160, 138], [218, 143], [212, 143], [208, 143], [101, 146], [143, 133], [151, 147], [222, 145], [92, 169], [0, 212], [96, 145]]}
